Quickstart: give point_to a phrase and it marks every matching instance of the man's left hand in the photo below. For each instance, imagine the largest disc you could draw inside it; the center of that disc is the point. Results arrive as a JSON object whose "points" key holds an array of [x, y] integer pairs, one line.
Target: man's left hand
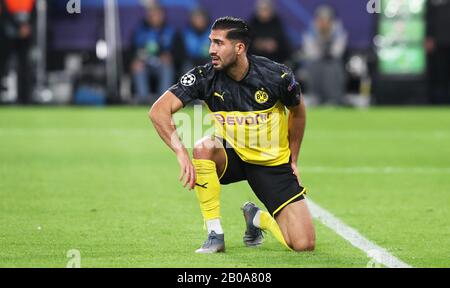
{"points": [[295, 171]]}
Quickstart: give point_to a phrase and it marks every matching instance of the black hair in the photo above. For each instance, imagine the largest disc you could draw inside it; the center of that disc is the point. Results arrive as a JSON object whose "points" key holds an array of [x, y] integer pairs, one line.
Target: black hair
{"points": [[238, 29]]}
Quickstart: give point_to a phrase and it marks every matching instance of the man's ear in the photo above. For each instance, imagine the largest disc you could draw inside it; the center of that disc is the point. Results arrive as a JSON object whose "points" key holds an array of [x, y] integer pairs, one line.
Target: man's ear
{"points": [[240, 48]]}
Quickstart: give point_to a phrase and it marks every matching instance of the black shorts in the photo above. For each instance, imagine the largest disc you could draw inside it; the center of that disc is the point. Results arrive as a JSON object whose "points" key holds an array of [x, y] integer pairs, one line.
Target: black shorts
{"points": [[275, 186]]}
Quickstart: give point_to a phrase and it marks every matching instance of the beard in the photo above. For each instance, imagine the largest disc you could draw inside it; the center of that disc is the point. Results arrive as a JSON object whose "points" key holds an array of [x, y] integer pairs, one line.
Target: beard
{"points": [[224, 66]]}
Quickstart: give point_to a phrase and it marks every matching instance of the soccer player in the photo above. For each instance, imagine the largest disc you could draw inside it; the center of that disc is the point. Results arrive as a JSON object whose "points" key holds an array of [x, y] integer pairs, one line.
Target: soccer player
{"points": [[255, 139]]}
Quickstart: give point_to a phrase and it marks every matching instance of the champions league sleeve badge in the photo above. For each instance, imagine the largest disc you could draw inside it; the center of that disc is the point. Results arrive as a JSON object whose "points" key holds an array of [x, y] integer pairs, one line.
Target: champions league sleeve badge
{"points": [[188, 79]]}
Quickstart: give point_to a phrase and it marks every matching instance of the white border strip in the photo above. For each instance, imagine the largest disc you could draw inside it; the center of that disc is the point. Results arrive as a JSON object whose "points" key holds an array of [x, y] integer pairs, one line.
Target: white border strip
{"points": [[373, 251]]}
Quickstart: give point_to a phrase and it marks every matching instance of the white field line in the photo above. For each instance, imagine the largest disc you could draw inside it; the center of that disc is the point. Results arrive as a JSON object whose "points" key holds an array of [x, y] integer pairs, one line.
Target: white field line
{"points": [[325, 134], [42, 132], [373, 251], [375, 170], [383, 134], [47, 132]]}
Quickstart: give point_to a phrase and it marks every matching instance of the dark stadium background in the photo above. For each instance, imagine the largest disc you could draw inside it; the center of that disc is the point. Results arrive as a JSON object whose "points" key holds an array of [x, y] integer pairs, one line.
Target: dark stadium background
{"points": [[77, 35], [81, 31]]}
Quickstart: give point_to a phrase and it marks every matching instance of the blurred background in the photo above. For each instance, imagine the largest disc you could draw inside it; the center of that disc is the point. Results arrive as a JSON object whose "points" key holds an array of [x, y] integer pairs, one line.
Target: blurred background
{"points": [[127, 52]]}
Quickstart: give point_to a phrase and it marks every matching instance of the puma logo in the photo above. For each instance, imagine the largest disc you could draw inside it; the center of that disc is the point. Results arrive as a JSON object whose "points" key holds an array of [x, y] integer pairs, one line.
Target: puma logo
{"points": [[202, 185], [217, 94]]}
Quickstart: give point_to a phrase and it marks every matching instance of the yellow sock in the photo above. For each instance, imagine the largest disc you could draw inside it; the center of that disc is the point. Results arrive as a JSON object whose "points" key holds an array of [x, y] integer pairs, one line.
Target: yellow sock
{"points": [[207, 188], [266, 222]]}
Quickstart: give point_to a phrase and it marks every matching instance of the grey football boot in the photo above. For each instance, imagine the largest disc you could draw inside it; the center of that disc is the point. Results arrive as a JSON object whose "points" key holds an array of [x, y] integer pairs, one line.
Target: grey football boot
{"points": [[253, 236], [214, 244]]}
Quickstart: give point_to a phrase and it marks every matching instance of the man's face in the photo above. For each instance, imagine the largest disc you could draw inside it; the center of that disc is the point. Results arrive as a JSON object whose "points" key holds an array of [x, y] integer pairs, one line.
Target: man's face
{"points": [[264, 13], [223, 51], [155, 17], [199, 21], [324, 25]]}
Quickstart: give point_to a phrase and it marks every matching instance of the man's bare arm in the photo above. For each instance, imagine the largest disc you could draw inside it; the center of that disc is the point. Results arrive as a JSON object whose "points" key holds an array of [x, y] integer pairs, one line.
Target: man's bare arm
{"points": [[297, 124], [161, 117]]}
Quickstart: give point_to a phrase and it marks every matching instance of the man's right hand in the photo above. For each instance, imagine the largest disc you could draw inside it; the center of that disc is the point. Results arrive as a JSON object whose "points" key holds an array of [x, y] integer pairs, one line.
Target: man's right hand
{"points": [[161, 117], [187, 170]]}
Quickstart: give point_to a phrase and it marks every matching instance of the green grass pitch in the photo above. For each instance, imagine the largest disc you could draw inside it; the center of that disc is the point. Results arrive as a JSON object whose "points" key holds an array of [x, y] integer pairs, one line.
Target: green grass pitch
{"points": [[101, 181]]}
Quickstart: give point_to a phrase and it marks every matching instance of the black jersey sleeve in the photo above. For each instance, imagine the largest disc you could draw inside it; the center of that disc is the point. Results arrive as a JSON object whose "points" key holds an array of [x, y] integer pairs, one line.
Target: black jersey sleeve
{"points": [[190, 86], [290, 89]]}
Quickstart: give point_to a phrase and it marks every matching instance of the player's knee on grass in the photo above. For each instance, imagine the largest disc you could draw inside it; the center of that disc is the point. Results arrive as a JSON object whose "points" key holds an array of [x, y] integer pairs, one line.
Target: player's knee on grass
{"points": [[303, 239], [299, 242], [302, 244], [296, 223]]}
